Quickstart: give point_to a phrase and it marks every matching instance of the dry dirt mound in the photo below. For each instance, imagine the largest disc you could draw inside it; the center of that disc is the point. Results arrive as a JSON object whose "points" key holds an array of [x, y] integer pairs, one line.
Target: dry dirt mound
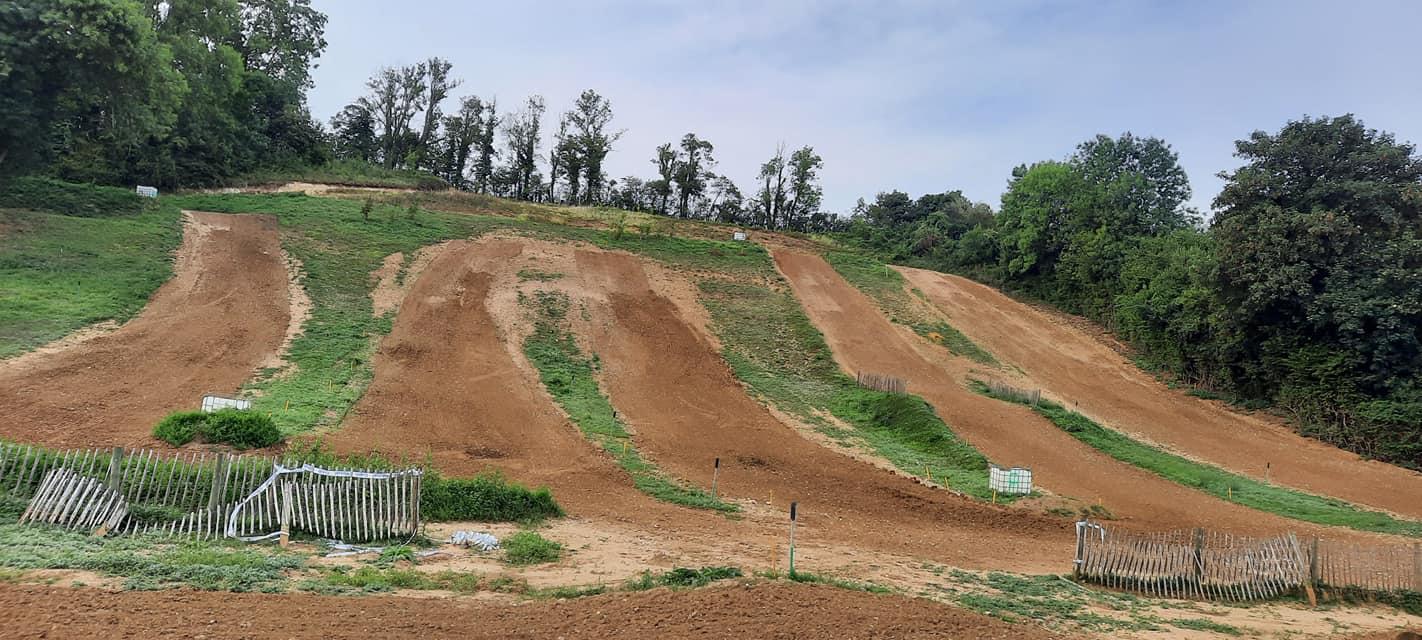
{"points": [[759, 610], [1089, 376], [862, 339], [224, 312]]}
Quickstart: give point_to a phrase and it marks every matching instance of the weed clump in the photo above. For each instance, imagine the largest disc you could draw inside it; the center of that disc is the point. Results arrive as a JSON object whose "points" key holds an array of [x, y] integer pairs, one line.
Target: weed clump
{"points": [[527, 547], [486, 498], [240, 429]]}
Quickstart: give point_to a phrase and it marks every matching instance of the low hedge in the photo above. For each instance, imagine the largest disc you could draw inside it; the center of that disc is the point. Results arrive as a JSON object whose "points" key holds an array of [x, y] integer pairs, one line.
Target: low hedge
{"points": [[68, 198], [487, 498], [240, 429]]}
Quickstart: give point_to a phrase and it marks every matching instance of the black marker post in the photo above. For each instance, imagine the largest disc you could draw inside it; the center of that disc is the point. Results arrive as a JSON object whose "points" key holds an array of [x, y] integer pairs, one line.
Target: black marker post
{"points": [[792, 538], [715, 475]]}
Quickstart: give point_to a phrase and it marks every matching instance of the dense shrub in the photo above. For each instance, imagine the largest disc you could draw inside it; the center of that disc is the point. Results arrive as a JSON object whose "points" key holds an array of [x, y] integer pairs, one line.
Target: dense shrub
{"points": [[240, 429], [527, 547], [487, 498], [68, 198]]}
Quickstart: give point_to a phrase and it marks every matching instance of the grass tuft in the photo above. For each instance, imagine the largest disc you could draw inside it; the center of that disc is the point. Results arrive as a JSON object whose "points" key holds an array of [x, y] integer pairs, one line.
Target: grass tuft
{"points": [[527, 547]]}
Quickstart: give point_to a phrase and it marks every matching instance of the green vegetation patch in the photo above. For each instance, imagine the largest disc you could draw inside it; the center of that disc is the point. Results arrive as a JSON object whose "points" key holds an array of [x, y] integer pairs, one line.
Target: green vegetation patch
{"points": [[349, 173], [149, 562], [68, 198], [773, 347], [887, 288], [527, 547], [59, 273], [1052, 601], [569, 378], [485, 498], [240, 429], [1215, 481]]}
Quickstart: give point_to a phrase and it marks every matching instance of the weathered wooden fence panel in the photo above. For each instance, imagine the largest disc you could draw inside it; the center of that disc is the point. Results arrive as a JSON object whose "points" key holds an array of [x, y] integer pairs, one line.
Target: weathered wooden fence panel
{"points": [[208, 494], [1200, 564], [881, 382]]}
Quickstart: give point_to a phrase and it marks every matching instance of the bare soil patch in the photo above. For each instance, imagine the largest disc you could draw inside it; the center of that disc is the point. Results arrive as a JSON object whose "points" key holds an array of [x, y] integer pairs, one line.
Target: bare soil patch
{"points": [[222, 314]]}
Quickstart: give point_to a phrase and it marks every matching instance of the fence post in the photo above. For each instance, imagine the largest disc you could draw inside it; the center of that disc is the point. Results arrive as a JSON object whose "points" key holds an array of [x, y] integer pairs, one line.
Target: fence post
{"points": [[219, 480], [1080, 549], [1417, 566], [115, 469], [1199, 546], [285, 513]]}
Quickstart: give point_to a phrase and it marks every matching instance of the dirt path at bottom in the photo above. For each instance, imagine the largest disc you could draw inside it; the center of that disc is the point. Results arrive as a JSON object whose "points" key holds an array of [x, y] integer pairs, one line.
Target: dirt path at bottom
{"points": [[862, 339], [222, 314], [753, 610], [685, 408], [1092, 378]]}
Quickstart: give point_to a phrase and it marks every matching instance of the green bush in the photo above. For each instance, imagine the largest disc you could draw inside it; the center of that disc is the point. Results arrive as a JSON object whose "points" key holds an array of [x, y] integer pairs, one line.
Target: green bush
{"points": [[68, 198], [240, 429], [527, 547], [487, 498]]}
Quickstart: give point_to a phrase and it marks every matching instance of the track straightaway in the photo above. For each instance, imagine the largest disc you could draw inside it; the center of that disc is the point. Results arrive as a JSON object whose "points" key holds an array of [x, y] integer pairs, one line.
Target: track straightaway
{"points": [[1076, 367], [224, 312], [862, 339]]}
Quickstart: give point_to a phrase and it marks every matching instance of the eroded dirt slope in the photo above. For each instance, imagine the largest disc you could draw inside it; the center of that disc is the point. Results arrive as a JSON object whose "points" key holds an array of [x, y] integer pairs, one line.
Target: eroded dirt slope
{"points": [[1090, 377], [223, 314], [862, 339]]}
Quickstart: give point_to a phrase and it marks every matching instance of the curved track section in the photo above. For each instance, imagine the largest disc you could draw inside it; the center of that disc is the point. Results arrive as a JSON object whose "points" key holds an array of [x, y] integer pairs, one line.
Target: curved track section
{"points": [[862, 339], [224, 313], [1077, 368]]}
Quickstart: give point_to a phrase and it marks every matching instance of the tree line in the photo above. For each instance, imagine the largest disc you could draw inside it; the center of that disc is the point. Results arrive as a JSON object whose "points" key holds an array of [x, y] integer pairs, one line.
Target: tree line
{"points": [[1303, 292], [480, 149]]}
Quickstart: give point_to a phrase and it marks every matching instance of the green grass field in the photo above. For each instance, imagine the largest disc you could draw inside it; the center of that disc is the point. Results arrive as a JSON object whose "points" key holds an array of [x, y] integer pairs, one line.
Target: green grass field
{"points": [[60, 273]]}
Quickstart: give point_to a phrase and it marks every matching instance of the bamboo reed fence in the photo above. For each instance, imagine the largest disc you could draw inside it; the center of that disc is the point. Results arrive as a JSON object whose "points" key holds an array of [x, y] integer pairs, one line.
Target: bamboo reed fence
{"points": [[208, 495], [881, 382], [1211, 565], [1029, 396]]}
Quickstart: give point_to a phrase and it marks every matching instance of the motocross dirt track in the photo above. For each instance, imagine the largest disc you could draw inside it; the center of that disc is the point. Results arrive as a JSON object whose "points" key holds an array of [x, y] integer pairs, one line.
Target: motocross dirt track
{"points": [[222, 315], [862, 339], [1077, 368], [729, 611], [685, 407]]}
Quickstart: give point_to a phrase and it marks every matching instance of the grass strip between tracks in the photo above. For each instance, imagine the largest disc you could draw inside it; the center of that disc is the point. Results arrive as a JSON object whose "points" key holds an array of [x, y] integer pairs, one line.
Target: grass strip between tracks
{"points": [[1217, 482], [569, 378]]}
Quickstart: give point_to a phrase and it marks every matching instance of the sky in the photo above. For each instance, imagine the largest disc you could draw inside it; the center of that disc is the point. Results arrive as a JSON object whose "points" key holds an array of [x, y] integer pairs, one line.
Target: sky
{"points": [[918, 96]]}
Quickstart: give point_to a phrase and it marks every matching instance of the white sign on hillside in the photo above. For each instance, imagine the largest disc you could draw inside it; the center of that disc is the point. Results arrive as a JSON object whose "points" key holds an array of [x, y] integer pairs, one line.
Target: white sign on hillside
{"points": [[211, 403]]}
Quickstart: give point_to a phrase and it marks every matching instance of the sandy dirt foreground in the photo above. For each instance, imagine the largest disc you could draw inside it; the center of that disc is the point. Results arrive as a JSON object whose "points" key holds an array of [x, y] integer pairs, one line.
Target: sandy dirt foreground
{"points": [[731, 611], [862, 339], [223, 314], [1076, 368]]}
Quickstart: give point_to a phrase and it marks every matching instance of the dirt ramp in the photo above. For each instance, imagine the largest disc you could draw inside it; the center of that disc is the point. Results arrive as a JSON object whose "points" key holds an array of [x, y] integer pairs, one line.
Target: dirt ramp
{"points": [[862, 339], [1077, 368], [686, 408], [224, 312]]}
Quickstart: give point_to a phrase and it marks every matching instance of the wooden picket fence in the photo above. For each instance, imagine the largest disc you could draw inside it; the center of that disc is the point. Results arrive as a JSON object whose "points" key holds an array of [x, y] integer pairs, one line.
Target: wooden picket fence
{"points": [[1207, 565], [1029, 396], [881, 382], [208, 495]]}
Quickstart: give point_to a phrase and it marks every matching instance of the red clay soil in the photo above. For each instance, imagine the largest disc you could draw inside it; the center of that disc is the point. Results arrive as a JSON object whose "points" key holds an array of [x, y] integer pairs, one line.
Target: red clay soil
{"points": [[446, 384], [1089, 376], [685, 408], [862, 339], [204, 331], [761, 610]]}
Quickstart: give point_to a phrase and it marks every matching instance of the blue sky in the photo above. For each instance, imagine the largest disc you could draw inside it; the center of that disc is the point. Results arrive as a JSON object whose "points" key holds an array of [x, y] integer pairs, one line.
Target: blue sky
{"points": [[916, 96]]}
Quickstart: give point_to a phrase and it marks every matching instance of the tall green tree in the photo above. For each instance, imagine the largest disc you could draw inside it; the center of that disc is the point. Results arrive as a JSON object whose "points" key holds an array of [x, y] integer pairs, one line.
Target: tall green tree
{"points": [[589, 120]]}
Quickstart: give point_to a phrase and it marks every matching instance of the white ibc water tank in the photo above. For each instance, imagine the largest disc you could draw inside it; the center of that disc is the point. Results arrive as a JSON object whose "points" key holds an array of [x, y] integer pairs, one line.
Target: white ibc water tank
{"points": [[147, 192]]}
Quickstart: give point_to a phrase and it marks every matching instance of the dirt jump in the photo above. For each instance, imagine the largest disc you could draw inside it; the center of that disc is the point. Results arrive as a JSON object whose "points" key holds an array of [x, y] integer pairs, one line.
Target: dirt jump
{"points": [[1075, 367], [759, 610], [863, 339], [224, 314]]}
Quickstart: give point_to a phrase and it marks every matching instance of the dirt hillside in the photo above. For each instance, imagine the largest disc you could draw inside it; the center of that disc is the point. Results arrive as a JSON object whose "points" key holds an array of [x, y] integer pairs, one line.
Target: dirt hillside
{"points": [[862, 339], [1089, 376], [221, 316]]}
